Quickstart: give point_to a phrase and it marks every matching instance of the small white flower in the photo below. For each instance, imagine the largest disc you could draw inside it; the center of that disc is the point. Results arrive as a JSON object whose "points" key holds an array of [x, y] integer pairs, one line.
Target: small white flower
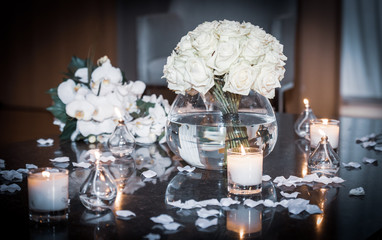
{"points": [[80, 109], [67, 91]]}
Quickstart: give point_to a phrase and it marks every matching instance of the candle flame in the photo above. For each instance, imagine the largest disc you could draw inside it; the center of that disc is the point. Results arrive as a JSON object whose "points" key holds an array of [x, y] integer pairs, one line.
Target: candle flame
{"points": [[45, 174], [325, 121], [242, 150], [119, 115], [306, 102], [97, 154]]}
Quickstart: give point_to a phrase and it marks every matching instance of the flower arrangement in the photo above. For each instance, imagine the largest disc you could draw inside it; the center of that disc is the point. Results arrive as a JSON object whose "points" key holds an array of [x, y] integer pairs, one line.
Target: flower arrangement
{"points": [[226, 60], [84, 104]]}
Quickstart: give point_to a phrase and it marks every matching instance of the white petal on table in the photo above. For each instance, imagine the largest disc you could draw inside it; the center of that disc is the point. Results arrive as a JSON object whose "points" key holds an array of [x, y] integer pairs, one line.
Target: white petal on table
{"points": [[204, 213], [357, 191], [368, 144], [45, 142], [266, 178], [186, 169], [269, 203], [11, 175], [252, 203], [60, 159], [312, 209], [289, 195], [125, 213], [149, 174], [162, 219], [23, 170], [205, 223], [152, 236], [81, 164], [368, 160], [352, 164], [107, 158], [29, 166], [225, 202], [209, 202], [298, 205], [10, 188], [310, 177], [377, 148], [171, 226]]}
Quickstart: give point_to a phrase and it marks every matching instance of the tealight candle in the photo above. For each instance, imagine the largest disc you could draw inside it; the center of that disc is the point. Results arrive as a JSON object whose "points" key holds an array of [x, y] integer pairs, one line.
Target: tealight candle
{"points": [[48, 194], [330, 127], [244, 170]]}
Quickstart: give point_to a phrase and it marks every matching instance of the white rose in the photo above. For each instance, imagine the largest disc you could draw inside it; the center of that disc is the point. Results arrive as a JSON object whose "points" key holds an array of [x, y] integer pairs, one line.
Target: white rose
{"points": [[173, 72], [199, 75], [229, 29], [267, 80], [204, 42], [253, 50], [240, 78], [207, 26], [184, 45], [226, 54]]}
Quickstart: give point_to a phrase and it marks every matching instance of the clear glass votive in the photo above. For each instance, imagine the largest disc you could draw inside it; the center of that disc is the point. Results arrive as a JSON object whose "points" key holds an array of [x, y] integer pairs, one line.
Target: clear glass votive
{"points": [[244, 170], [331, 129], [48, 191]]}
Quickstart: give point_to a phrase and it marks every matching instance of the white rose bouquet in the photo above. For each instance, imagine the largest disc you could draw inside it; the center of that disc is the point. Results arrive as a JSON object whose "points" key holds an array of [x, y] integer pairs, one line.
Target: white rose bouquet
{"points": [[84, 104], [226, 59]]}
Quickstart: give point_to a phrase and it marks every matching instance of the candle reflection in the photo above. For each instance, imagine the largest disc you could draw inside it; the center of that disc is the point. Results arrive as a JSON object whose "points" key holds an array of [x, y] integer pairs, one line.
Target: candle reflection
{"points": [[246, 222]]}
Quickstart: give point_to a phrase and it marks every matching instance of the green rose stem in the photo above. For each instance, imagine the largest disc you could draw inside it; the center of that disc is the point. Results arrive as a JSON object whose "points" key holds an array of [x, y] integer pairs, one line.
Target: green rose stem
{"points": [[236, 134]]}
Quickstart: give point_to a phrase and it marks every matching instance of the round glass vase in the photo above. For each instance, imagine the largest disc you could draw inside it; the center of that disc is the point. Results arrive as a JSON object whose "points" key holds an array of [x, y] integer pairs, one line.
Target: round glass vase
{"points": [[200, 130]]}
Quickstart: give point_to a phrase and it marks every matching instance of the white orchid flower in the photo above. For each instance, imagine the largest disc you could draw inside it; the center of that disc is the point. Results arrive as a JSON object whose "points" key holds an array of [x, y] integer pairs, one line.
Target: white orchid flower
{"points": [[87, 128], [106, 72], [106, 87], [115, 99], [82, 73], [151, 138], [140, 126], [130, 104], [67, 91], [80, 109], [137, 88], [103, 108]]}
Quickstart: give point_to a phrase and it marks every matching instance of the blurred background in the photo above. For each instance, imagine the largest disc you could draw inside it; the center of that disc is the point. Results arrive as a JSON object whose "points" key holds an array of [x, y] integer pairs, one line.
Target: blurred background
{"points": [[334, 50]]}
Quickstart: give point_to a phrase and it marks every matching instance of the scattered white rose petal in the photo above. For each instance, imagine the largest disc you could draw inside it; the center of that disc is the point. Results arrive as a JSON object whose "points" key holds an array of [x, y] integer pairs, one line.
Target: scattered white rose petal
{"points": [[209, 202], [189, 204], [205, 223], [125, 213], [312, 209], [269, 203], [377, 148], [310, 177], [252, 203], [2, 163], [22, 170], [324, 179], [225, 202], [368, 144], [149, 174], [284, 203], [10, 188], [152, 236], [171, 226], [357, 191], [186, 169], [45, 142], [352, 164], [369, 160], [204, 213], [29, 166], [298, 205], [81, 164], [11, 175], [60, 159], [162, 219], [289, 195], [266, 178]]}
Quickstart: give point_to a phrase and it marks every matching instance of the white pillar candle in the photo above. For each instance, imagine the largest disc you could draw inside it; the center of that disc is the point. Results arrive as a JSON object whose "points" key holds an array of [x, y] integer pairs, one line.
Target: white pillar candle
{"points": [[245, 168], [48, 189], [330, 127]]}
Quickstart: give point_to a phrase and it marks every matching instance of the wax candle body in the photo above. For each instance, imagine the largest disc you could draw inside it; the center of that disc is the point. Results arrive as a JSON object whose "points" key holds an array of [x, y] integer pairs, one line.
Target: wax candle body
{"points": [[330, 130], [245, 169], [48, 193]]}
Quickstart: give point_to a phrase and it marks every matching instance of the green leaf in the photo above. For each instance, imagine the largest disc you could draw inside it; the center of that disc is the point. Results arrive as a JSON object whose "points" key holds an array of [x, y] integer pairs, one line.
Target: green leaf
{"points": [[69, 128], [58, 108]]}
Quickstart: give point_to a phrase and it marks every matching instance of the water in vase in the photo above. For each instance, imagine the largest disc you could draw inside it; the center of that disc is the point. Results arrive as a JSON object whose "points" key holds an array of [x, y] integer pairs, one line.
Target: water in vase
{"points": [[199, 138]]}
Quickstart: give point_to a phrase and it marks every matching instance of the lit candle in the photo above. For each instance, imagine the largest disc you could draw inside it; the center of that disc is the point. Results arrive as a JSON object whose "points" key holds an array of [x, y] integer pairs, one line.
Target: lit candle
{"points": [[118, 113], [244, 169], [329, 127], [48, 190], [306, 102]]}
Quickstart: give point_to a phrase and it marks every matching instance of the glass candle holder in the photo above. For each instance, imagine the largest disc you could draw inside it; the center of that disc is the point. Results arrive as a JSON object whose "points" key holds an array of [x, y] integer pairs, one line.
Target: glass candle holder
{"points": [[244, 170], [302, 124], [48, 191], [330, 127]]}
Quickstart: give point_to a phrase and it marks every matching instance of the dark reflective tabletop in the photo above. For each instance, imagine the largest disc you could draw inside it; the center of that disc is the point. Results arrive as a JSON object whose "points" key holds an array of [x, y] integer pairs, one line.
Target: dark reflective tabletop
{"points": [[343, 217]]}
